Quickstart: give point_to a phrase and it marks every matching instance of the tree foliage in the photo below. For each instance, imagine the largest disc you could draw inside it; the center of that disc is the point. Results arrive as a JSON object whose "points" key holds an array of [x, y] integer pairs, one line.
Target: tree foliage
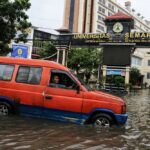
{"points": [[119, 80], [134, 75], [85, 59], [48, 50], [12, 19]]}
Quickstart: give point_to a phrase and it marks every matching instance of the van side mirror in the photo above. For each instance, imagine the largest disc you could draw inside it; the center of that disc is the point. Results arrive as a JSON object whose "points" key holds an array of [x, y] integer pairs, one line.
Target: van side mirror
{"points": [[78, 89]]}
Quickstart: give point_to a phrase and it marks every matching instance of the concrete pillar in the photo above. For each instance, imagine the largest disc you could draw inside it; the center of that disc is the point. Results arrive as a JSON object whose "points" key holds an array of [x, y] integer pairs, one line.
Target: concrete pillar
{"points": [[104, 71], [104, 74], [64, 58], [127, 75], [58, 52]]}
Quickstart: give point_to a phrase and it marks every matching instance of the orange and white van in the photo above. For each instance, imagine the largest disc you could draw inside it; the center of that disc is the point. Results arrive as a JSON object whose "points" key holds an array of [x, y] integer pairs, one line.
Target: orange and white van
{"points": [[29, 87]]}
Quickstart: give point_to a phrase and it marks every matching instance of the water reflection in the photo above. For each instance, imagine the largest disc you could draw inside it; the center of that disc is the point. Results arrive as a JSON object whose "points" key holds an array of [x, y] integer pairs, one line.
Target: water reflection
{"points": [[19, 133]]}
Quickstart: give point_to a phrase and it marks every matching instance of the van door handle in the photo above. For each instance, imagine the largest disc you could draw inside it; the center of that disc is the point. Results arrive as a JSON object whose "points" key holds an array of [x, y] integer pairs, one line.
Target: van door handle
{"points": [[48, 97]]}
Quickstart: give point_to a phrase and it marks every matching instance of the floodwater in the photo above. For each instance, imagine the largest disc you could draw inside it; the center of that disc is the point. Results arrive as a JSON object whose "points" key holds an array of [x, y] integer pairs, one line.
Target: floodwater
{"points": [[20, 133]]}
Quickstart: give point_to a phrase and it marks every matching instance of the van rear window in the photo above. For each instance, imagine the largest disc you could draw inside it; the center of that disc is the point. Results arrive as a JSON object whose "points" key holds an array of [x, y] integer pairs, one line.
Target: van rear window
{"points": [[29, 75], [6, 72]]}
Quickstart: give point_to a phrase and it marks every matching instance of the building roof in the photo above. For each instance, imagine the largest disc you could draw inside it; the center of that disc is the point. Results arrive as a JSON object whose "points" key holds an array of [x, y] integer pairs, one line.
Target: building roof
{"points": [[119, 16], [47, 30], [63, 30]]}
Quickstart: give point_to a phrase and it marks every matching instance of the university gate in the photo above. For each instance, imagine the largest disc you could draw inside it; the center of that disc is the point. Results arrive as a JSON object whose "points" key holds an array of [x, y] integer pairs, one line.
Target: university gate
{"points": [[118, 44]]}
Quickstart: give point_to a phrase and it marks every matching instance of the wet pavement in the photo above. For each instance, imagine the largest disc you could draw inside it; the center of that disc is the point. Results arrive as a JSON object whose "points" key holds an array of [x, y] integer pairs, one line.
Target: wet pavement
{"points": [[20, 133]]}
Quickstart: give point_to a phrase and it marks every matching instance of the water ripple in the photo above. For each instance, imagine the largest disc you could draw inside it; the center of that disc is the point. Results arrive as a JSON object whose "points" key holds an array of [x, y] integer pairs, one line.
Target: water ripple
{"points": [[20, 133]]}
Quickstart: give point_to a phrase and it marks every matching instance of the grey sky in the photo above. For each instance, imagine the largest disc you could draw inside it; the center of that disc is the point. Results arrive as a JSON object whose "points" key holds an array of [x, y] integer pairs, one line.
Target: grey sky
{"points": [[141, 6], [49, 13], [46, 13]]}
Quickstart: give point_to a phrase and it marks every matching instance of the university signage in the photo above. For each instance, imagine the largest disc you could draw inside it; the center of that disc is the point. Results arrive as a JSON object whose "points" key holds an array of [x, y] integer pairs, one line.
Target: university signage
{"points": [[136, 37], [131, 38], [128, 38]]}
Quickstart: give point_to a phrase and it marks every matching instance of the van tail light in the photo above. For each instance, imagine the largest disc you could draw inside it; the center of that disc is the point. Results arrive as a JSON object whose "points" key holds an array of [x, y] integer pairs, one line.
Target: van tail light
{"points": [[124, 109]]}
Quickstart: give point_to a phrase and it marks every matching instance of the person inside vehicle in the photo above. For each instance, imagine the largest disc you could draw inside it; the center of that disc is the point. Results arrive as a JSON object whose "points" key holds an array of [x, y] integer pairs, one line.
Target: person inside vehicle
{"points": [[56, 82], [56, 79]]}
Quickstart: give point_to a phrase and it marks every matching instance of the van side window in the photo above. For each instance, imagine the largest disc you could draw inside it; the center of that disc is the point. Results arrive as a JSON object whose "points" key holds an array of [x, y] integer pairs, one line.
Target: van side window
{"points": [[6, 72], [29, 75], [62, 80]]}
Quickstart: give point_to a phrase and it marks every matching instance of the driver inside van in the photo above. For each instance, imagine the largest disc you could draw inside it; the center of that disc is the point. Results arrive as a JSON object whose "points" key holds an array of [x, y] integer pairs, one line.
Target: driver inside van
{"points": [[56, 82]]}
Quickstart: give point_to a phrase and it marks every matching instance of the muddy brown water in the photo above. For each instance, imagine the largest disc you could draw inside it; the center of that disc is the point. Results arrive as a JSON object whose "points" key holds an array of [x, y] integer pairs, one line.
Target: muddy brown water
{"points": [[21, 133]]}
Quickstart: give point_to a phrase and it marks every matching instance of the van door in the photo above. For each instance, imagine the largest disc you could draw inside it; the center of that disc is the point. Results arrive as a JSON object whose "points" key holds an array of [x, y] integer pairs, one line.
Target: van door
{"points": [[62, 102], [28, 90]]}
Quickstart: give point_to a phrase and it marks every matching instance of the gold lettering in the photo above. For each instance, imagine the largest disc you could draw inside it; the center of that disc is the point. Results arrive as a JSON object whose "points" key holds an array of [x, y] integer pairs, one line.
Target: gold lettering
{"points": [[148, 35], [143, 35], [127, 35], [108, 35], [92, 36], [103, 35], [131, 35], [76, 36], [137, 35]]}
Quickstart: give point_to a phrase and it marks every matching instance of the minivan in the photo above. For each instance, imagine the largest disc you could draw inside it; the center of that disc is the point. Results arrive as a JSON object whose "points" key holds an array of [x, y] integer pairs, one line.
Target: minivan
{"points": [[46, 89]]}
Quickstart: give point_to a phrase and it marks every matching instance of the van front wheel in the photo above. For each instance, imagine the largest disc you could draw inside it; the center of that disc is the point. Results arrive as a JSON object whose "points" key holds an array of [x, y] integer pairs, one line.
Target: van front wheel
{"points": [[4, 109], [102, 121]]}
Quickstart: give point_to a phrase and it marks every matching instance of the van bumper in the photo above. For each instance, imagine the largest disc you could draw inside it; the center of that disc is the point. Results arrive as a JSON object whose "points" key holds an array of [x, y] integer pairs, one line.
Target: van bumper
{"points": [[121, 118]]}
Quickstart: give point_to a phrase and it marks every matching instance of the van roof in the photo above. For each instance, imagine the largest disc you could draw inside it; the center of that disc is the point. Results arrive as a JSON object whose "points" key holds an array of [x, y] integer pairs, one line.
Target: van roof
{"points": [[34, 62]]}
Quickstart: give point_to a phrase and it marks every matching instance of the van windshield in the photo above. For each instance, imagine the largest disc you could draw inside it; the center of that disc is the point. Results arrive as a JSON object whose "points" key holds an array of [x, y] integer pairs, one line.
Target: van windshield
{"points": [[81, 81]]}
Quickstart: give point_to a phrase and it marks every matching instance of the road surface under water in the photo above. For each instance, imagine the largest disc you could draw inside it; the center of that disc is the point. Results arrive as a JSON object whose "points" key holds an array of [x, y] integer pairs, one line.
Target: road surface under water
{"points": [[20, 133]]}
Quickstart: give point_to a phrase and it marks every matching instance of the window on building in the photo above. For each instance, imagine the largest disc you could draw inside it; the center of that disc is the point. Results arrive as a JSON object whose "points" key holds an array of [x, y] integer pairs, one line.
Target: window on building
{"points": [[148, 62], [29, 75], [101, 18], [102, 1], [148, 75], [136, 61], [6, 72], [100, 27], [102, 10], [110, 6], [110, 14]]}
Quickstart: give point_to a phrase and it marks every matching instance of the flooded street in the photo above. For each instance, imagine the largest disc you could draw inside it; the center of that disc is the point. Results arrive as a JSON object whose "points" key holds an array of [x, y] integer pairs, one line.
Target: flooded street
{"points": [[36, 134]]}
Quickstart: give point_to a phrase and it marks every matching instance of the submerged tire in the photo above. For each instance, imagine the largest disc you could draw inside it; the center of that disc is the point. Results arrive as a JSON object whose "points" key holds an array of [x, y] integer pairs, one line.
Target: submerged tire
{"points": [[5, 109], [102, 120]]}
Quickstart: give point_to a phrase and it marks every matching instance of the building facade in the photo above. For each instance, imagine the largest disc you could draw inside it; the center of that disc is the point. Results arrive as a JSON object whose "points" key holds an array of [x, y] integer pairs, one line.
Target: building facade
{"points": [[87, 16], [35, 39]]}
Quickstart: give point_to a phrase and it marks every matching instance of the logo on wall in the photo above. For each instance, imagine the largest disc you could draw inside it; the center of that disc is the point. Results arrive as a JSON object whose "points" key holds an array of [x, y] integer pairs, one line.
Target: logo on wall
{"points": [[118, 27], [20, 51]]}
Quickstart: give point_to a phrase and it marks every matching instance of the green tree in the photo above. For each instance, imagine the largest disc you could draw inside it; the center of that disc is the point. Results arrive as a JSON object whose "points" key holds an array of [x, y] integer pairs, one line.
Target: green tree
{"points": [[48, 50], [12, 19], [119, 81], [87, 59], [134, 75]]}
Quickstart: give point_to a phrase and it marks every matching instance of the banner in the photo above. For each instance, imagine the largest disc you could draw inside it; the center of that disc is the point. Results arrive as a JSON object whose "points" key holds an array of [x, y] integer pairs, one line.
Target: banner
{"points": [[116, 72], [19, 51]]}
